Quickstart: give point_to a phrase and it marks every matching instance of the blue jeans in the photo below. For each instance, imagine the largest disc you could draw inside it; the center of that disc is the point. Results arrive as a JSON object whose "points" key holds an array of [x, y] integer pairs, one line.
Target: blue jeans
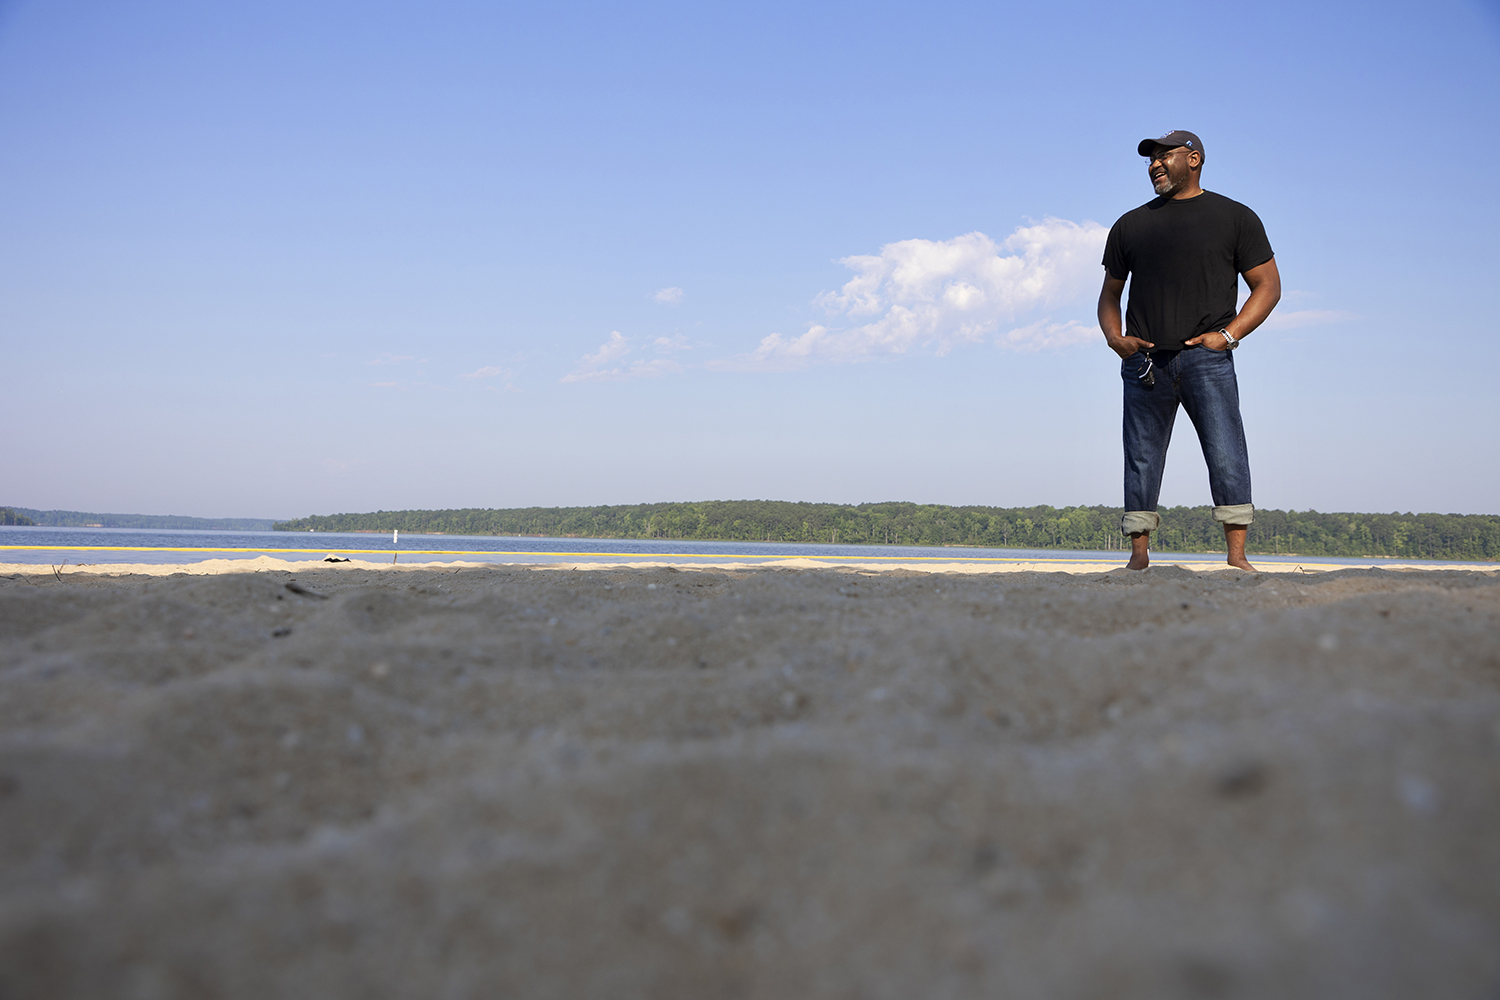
{"points": [[1203, 382]]}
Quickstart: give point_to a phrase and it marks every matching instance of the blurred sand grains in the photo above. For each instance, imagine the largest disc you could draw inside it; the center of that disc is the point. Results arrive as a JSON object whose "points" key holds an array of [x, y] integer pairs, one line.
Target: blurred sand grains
{"points": [[754, 783]]}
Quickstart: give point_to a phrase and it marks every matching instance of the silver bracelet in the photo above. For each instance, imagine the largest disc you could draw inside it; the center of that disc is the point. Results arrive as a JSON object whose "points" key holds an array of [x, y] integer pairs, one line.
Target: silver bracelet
{"points": [[1232, 343]]}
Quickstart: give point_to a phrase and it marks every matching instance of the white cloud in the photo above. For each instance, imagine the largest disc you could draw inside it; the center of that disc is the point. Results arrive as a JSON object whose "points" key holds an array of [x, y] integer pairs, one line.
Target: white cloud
{"points": [[493, 372], [1044, 336], [939, 294], [1306, 317], [670, 296], [595, 366], [610, 363]]}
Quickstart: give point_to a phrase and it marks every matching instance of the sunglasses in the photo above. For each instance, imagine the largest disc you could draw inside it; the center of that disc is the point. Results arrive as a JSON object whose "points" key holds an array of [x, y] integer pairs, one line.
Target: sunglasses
{"points": [[1164, 154]]}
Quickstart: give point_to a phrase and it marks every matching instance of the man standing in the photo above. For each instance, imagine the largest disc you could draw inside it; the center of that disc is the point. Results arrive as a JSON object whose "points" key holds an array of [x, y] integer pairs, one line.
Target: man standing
{"points": [[1184, 252]]}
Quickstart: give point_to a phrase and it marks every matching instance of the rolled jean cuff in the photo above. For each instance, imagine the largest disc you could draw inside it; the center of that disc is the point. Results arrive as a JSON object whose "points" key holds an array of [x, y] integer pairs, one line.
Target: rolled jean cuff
{"points": [[1236, 513], [1137, 521]]}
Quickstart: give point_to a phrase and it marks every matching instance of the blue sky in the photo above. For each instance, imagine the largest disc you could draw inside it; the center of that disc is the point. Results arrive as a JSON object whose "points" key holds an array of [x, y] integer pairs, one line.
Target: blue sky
{"points": [[280, 259]]}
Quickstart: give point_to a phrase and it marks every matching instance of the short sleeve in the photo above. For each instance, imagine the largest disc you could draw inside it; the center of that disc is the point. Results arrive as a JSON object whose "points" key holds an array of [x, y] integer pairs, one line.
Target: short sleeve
{"points": [[1251, 248], [1114, 254]]}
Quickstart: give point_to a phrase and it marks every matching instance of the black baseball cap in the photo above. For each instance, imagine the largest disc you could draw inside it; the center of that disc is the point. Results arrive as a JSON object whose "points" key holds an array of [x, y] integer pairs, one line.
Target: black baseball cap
{"points": [[1171, 140]]}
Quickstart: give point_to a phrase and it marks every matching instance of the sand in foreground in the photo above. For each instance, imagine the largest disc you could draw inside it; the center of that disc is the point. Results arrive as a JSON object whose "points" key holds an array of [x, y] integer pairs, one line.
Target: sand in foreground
{"points": [[754, 783]]}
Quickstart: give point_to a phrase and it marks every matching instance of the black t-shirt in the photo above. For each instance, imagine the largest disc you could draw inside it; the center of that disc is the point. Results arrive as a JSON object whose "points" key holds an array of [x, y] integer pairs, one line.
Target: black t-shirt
{"points": [[1184, 259]]}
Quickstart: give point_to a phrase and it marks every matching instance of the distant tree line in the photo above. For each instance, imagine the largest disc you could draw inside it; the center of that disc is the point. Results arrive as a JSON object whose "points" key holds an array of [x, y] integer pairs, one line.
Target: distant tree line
{"points": [[84, 519], [8, 516], [1184, 529]]}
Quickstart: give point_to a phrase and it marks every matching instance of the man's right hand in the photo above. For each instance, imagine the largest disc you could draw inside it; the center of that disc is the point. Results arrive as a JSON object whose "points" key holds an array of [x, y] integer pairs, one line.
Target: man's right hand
{"points": [[1113, 324], [1126, 346]]}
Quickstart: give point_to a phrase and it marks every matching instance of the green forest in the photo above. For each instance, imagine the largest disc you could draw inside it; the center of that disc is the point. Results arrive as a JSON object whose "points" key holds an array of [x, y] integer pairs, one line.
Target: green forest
{"points": [[1184, 529], [8, 516], [85, 519]]}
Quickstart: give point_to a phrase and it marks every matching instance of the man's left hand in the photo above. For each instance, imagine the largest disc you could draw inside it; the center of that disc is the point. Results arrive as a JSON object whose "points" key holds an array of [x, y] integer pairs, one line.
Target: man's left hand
{"points": [[1213, 340]]}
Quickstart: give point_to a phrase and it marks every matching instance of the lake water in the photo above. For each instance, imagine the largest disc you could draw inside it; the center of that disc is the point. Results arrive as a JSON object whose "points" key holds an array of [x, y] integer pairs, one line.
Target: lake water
{"points": [[52, 546]]}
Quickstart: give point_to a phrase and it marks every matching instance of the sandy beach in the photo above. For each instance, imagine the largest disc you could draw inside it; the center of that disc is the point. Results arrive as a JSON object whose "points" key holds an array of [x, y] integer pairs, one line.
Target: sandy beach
{"points": [[264, 779]]}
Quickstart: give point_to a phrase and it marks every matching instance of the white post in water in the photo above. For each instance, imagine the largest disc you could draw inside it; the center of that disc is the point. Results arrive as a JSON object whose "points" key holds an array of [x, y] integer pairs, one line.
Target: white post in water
{"points": [[395, 534]]}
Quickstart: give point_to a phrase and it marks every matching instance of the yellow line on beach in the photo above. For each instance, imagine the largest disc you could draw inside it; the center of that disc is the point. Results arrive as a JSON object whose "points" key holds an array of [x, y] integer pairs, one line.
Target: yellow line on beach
{"points": [[1103, 556]]}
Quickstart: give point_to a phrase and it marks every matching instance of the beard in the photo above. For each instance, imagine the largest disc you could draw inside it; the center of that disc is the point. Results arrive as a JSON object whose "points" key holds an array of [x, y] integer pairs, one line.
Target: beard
{"points": [[1166, 184]]}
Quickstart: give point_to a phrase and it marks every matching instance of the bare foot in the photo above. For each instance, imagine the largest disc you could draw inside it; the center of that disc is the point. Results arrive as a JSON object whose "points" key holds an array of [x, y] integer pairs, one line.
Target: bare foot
{"points": [[1140, 551], [1139, 561], [1242, 563]]}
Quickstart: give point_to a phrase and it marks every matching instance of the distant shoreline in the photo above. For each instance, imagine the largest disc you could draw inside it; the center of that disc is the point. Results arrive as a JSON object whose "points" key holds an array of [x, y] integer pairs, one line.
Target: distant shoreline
{"points": [[146, 522], [1466, 537], [1300, 534]]}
